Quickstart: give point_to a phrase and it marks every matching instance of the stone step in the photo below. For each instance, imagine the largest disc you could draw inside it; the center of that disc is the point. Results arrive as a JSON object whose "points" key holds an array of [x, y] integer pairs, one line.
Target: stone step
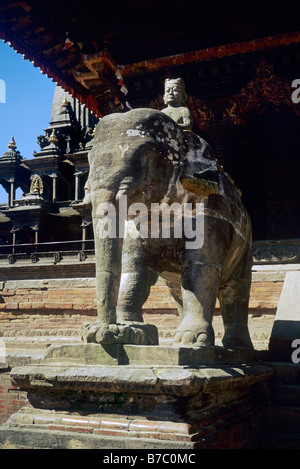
{"points": [[280, 440], [286, 394], [40, 342], [286, 373], [280, 418]]}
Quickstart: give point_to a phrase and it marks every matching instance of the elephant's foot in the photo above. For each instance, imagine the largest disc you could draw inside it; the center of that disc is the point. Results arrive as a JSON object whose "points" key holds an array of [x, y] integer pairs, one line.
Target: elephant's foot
{"points": [[198, 336], [130, 333], [190, 338]]}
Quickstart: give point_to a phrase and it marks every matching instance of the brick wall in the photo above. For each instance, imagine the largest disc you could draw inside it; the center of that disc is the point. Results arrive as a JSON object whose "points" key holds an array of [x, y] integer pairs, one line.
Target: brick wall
{"points": [[265, 295], [60, 307], [11, 398], [45, 306], [29, 297], [231, 429]]}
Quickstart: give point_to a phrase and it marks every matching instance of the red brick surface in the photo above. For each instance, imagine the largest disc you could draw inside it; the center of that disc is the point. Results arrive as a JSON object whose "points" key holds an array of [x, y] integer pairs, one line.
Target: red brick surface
{"points": [[42, 309], [11, 398], [226, 430]]}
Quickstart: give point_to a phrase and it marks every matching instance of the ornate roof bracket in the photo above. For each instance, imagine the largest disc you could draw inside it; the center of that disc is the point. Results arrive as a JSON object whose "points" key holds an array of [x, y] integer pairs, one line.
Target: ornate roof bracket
{"points": [[267, 88]]}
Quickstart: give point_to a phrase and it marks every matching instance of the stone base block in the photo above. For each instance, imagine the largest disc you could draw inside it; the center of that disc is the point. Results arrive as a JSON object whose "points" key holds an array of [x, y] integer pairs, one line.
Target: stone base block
{"points": [[100, 402], [163, 355]]}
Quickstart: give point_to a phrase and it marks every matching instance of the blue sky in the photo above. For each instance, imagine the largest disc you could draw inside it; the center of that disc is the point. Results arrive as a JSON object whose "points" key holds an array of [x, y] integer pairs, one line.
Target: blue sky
{"points": [[27, 108]]}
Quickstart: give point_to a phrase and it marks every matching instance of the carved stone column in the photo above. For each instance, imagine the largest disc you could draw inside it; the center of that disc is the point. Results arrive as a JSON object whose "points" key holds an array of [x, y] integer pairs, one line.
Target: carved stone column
{"points": [[54, 188], [77, 185], [12, 192], [14, 230], [36, 229], [85, 223]]}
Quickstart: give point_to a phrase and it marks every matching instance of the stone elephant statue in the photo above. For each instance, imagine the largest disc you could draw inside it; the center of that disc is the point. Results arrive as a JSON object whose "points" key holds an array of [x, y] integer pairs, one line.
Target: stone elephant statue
{"points": [[145, 158]]}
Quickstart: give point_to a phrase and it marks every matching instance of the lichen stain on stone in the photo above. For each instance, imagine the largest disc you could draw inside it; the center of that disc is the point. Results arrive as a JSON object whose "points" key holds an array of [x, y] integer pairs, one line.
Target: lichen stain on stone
{"points": [[8, 445], [136, 133], [76, 444]]}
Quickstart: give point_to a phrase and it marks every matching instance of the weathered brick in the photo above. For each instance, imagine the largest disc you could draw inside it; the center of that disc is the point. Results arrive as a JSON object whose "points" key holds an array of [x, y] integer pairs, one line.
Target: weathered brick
{"points": [[37, 305], [65, 305], [116, 424], [77, 421], [25, 305], [12, 305]]}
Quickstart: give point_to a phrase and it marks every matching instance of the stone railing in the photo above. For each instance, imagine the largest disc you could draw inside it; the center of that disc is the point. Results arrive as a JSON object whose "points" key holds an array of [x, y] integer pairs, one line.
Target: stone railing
{"points": [[276, 251], [53, 252], [264, 252]]}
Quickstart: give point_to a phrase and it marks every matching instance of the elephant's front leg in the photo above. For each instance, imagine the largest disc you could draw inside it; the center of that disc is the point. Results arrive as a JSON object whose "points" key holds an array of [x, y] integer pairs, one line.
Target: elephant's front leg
{"points": [[200, 284]]}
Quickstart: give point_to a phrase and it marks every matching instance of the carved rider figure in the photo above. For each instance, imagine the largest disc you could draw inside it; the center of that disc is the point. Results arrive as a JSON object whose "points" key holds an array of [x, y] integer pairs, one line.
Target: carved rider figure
{"points": [[200, 172], [174, 97]]}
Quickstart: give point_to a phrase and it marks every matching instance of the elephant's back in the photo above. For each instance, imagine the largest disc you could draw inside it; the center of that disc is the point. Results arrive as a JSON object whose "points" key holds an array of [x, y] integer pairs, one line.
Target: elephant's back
{"points": [[141, 118]]}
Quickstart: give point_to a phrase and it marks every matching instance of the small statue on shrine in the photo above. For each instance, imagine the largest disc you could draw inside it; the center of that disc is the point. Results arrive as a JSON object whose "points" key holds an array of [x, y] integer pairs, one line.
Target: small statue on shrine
{"points": [[174, 97]]}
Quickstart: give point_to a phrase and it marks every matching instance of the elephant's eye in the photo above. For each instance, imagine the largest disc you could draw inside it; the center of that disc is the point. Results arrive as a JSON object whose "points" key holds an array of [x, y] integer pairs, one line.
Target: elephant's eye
{"points": [[149, 154]]}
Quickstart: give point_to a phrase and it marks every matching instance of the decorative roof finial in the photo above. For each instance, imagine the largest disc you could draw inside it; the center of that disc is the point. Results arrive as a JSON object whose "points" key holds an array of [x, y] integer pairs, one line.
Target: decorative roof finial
{"points": [[12, 154], [36, 186], [12, 144], [65, 104], [53, 138]]}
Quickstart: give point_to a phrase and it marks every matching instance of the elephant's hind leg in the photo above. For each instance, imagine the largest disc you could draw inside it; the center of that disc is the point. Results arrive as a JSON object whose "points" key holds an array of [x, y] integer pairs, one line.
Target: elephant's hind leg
{"points": [[234, 301]]}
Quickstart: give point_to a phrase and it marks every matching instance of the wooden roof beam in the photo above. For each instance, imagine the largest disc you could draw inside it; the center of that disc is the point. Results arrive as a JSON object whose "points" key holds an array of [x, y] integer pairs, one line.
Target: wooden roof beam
{"points": [[211, 53]]}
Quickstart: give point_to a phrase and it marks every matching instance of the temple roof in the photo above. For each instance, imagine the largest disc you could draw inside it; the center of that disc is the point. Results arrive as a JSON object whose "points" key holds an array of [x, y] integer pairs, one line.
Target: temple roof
{"points": [[90, 47]]}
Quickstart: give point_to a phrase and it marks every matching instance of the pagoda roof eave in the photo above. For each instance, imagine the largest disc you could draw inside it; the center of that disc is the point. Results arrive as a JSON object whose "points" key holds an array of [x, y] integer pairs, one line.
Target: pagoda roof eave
{"points": [[88, 52]]}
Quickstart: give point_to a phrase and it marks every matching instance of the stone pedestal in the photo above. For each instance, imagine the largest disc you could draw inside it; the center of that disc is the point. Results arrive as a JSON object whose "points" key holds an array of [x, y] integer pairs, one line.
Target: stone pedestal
{"points": [[138, 397], [286, 327]]}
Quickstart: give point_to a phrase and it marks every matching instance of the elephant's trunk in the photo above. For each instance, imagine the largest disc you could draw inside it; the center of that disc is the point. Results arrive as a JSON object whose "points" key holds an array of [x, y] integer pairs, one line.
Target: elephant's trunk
{"points": [[108, 251]]}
